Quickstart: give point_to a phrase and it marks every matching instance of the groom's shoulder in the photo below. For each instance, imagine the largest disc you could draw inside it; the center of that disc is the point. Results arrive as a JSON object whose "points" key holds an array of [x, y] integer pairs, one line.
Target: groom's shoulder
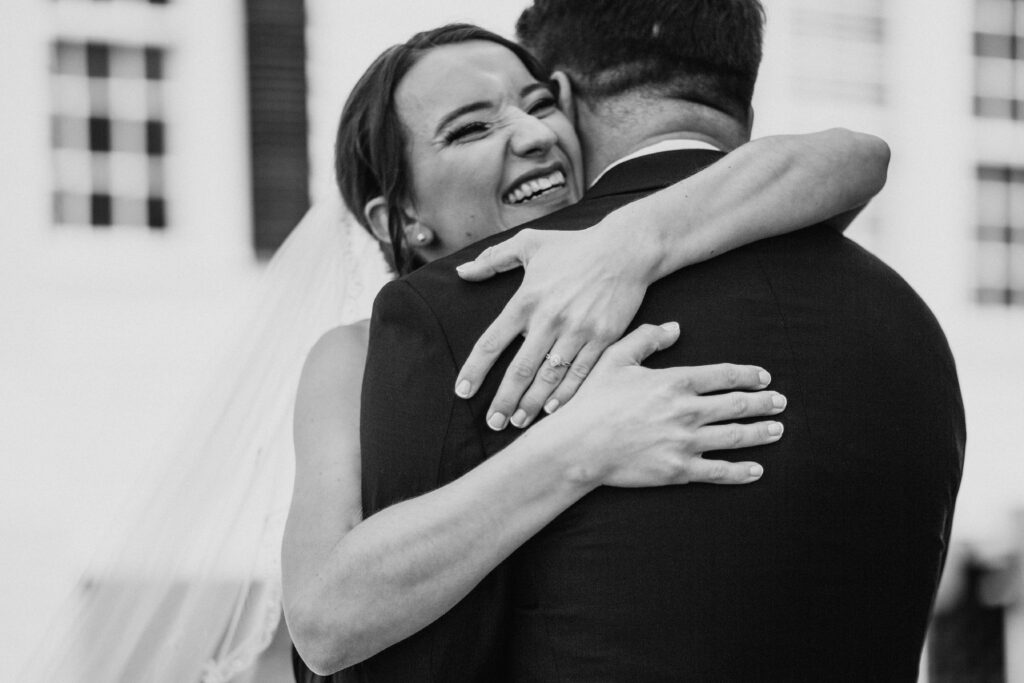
{"points": [[440, 286]]}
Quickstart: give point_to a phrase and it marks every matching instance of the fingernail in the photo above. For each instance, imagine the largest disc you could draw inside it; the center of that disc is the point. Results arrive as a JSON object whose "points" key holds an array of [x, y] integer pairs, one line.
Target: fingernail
{"points": [[756, 471], [765, 378], [463, 389], [519, 418], [462, 268], [779, 401], [670, 327], [551, 406], [775, 428], [496, 422]]}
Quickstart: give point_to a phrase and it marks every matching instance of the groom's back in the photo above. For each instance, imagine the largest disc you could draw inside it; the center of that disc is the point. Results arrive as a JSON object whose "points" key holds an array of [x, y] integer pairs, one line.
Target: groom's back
{"points": [[825, 569]]}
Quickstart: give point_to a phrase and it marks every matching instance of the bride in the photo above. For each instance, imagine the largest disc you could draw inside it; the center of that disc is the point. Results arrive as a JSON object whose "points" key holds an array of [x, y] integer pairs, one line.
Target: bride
{"points": [[205, 602], [428, 146]]}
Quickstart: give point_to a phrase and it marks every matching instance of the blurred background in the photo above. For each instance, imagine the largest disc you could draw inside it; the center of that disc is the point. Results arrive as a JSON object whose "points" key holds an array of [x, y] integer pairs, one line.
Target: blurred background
{"points": [[155, 153]]}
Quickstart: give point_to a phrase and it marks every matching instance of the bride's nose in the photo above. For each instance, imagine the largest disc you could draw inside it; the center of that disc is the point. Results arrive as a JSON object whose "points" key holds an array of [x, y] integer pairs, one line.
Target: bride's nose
{"points": [[531, 136]]}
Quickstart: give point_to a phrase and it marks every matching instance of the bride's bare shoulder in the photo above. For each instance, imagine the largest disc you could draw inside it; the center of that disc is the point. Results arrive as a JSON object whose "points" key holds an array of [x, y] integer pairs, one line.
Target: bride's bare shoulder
{"points": [[338, 355]]}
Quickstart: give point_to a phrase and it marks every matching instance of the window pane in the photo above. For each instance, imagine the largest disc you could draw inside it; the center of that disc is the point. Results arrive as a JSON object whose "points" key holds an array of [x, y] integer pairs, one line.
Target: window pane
{"points": [[994, 16], [70, 132], [97, 60], [1016, 210], [130, 211], [129, 136], [70, 209], [99, 169], [992, 204], [994, 77], [990, 45], [127, 62], [102, 209], [69, 58], [1017, 267], [992, 265]]}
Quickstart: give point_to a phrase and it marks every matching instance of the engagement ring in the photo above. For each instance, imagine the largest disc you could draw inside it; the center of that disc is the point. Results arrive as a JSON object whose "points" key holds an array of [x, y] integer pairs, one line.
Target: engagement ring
{"points": [[556, 361]]}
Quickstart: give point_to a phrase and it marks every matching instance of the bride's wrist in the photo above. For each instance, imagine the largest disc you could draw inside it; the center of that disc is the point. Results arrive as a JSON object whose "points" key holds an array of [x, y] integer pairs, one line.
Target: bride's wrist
{"points": [[624, 239], [574, 463]]}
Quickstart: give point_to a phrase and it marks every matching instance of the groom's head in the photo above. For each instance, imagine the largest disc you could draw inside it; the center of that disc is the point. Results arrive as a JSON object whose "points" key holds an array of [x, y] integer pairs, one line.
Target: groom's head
{"points": [[701, 53]]}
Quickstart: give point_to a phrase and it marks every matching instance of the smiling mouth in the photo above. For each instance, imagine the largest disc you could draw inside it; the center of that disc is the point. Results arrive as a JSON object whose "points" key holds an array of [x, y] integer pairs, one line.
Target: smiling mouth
{"points": [[535, 188]]}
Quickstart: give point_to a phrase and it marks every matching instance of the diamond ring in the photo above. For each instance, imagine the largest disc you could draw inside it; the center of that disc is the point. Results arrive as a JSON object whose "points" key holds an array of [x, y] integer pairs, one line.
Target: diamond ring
{"points": [[556, 361]]}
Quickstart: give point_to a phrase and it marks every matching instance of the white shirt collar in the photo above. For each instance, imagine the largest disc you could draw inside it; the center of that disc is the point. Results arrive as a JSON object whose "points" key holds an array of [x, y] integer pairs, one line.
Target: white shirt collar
{"points": [[657, 147]]}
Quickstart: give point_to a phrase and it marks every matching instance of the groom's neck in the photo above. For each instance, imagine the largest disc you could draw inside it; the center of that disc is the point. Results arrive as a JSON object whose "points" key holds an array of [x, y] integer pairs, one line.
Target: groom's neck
{"points": [[613, 128]]}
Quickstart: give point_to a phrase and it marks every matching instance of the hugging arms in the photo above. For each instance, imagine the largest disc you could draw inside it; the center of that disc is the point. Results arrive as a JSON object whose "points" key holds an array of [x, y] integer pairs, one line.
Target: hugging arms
{"points": [[355, 586]]}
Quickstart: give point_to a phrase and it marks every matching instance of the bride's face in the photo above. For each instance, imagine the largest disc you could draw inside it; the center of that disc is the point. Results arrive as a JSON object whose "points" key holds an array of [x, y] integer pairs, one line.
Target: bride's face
{"points": [[487, 146]]}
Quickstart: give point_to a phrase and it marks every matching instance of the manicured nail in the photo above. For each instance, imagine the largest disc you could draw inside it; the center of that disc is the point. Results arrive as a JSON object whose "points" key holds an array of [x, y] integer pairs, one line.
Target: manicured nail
{"points": [[464, 389], [462, 268], [765, 378], [775, 428], [670, 327], [551, 406], [496, 422], [519, 418], [779, 401], [756, 471]]}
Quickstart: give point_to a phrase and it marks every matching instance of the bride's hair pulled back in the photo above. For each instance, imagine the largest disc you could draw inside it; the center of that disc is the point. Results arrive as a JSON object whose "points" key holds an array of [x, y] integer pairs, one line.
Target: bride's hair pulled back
{"points": [[370, 147]]}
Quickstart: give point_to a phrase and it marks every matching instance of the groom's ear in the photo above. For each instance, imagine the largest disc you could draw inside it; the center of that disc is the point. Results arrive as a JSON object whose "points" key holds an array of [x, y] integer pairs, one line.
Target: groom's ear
{"points": [[565, 99]]}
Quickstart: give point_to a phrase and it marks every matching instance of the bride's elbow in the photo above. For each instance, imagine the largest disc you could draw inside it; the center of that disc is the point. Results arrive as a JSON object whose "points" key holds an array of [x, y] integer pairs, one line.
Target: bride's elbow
{"points": [[321, 642]]}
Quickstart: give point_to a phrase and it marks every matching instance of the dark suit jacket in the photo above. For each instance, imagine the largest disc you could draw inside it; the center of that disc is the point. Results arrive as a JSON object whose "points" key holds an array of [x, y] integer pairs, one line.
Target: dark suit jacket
{"points": [[823, 570]]}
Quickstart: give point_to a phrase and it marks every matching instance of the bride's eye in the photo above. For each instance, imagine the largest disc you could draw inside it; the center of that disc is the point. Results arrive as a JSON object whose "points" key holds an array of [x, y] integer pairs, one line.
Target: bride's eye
{"points": [[543, 106], [465, 131]]}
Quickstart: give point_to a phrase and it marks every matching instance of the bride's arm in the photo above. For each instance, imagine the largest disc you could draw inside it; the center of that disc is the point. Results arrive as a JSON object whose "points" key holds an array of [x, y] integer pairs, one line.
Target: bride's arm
{"points": [[582, 288], [353, 588]]}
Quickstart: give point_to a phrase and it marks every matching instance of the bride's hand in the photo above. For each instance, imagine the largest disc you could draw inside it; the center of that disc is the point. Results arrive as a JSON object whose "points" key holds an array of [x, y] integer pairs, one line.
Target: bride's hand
{"points": [[633, 426], [578, 295]]}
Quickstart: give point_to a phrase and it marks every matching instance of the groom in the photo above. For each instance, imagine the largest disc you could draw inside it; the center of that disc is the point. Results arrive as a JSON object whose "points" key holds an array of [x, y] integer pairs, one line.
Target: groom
{"points": [[823, 570]]}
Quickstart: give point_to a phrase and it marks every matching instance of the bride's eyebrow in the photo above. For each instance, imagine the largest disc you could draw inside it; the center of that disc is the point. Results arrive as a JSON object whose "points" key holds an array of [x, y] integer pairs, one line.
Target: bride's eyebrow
{"points": [[460, 111], [533, 87]]}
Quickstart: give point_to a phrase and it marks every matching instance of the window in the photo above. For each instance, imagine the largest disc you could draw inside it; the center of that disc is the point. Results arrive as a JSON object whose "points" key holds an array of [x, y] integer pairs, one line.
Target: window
{"points": [[151, 2], [999, 59], [841, 50], [1000, 254], [109, 135]]}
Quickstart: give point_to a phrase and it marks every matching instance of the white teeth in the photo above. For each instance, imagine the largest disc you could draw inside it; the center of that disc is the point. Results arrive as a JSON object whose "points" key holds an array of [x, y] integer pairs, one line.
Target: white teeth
{"points": [[531, 188]]}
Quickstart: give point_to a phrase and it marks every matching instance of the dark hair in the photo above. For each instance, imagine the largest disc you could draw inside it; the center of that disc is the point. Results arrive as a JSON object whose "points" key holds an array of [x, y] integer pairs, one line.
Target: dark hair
{"points": [[370, 150], [704, 51]]}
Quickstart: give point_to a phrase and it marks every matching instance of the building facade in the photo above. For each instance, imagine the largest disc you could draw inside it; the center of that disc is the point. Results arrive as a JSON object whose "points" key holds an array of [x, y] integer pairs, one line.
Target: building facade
{"points": [[155, 152]]}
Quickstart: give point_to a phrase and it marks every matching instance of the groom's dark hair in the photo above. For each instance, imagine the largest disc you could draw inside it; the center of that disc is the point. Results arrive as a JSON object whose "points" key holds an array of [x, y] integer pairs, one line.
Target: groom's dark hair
{"points": [[704, 51]]}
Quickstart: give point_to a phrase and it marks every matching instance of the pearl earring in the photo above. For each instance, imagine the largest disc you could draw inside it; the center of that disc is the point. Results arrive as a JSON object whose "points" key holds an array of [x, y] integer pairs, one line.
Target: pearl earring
{"points": [[422, 238]]}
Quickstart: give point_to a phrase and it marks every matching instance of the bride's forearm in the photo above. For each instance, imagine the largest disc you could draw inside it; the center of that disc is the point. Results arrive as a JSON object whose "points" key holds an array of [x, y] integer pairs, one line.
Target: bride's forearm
{"points": [[403, 567], [767, 187]]}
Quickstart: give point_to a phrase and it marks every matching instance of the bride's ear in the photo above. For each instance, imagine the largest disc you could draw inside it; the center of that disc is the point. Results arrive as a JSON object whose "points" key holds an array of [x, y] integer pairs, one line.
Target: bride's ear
{"points": [[416, 234], [565, 100], [376, 214]]}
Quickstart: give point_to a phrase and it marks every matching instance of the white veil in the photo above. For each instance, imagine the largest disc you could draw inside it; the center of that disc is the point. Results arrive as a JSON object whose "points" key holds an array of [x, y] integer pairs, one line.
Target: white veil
{"points": [[191, 590]]}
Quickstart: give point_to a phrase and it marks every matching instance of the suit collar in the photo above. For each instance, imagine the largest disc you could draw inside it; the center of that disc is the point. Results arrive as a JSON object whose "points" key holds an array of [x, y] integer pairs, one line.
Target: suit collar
{"points": [[652, 172]]}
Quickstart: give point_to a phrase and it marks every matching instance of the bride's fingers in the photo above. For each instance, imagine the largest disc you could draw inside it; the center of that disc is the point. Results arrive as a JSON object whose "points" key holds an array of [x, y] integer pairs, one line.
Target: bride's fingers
{"points": [[727, 437], [520, 374], [635, 347], [550, 375], [512, 253], [704, 471], [495, 339], [580, 369]]}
